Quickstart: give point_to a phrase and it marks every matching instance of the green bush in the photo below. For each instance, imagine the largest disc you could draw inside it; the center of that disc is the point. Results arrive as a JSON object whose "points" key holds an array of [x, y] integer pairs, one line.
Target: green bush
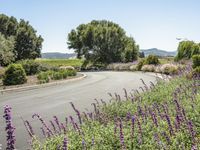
{"points": [[2, 71], [169, 69], [43, 77], [31, 67], [71, 72], [14, 74], [140, 64], [152, 60], [57, 76], [196, 61]]}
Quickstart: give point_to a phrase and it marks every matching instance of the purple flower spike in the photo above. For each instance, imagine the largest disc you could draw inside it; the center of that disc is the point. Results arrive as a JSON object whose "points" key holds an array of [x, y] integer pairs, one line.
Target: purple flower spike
{"points": [[9, 128], [43, 123], [29, 128], [57, 123], [65, 143], [132, 126], [121, 135]]}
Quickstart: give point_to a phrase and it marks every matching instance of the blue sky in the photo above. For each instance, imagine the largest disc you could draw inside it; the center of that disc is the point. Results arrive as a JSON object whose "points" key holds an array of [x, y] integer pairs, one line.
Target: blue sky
{"points": [[153, 23]]}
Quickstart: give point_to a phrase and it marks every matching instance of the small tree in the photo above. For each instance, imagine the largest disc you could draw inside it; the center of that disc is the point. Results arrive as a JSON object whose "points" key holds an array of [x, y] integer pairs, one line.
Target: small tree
{"points": [[152, 60], [14, 75]]}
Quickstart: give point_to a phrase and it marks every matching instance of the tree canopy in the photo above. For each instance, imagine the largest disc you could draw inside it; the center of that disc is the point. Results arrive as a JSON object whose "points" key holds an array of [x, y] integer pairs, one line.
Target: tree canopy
{"points": [[187, 49], [27, 44], [7, 54], [102, 42]]}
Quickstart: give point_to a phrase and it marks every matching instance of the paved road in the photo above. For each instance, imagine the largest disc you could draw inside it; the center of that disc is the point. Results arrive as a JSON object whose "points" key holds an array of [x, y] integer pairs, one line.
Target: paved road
{"points": [[54, 100]]}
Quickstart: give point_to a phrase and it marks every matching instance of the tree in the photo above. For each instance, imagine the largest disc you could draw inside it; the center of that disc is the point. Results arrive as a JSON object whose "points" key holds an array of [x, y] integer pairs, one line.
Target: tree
{"points": [[102, 42], [7, 54], [187, 49], [28, 44]]}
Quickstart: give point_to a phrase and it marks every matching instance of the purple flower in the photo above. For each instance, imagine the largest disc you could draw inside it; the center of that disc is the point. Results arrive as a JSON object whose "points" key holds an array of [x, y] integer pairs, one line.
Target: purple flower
{"points": [[121, 135], [54, 128], [132, 126], [166, 137], [43, 123], [171, 131], [28, 128], [65, 143], [191, 131], [9, 128], [57, 123], [77, 112]]}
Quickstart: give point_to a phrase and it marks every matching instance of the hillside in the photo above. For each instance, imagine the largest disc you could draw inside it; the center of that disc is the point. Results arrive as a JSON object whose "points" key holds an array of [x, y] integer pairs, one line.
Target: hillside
{"points": [[57, 55], [158, 52]]}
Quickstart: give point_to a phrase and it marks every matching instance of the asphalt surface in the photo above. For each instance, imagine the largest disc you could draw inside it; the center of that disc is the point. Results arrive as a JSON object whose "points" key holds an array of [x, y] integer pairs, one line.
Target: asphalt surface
{"points": [[54, 100]]}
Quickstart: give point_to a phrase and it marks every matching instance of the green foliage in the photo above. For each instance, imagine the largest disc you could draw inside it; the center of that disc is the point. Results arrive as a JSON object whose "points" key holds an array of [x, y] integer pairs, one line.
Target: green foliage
{"points": [[2, 71], [196, 71], [43, 77], [7, 54], [196, 61], [187, 49], [31, 67], [61, 62], [102, 42], [14, 74], [140, 64], [152, 60], [27, 44]]}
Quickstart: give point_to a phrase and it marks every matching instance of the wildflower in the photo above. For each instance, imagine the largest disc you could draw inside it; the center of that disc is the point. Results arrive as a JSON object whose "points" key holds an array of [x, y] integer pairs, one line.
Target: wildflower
{"points": [[57, 122], [121, 135], [65, 143], [43, 123], [54, 128], [77, 112], [9, 128]]}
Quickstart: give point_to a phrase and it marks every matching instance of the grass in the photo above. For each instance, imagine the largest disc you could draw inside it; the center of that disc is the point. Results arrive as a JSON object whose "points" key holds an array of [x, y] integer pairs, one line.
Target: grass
{"points": [[163, 117], [166, 60], [61, 62]]}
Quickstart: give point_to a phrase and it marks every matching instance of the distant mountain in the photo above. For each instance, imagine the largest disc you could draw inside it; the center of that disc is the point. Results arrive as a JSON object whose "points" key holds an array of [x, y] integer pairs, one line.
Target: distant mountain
{"points": [[55, 55], [158, 52]]}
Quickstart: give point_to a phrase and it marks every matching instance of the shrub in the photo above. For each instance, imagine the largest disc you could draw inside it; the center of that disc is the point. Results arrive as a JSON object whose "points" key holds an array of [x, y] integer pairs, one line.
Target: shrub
{"points": [[57, 76], [148, 68], [140, 64], [169, 69], [196, 61], [152, 60], [71, 72], [14, 74], [31, 67], [43, 77], [133, 68], [2, 71]]}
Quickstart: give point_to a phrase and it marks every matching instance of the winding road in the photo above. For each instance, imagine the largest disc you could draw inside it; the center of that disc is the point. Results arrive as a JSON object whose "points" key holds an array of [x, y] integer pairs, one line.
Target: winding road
{"points": [[54, 100]]}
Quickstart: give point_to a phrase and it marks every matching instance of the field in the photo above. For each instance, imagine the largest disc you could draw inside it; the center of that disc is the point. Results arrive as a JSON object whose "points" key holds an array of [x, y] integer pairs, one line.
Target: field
{"points": [[61, 62]]}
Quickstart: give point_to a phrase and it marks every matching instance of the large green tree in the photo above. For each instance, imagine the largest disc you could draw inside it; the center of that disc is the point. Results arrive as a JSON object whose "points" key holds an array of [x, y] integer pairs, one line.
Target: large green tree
{"points": [[7, 54], [102, 42], [27, 43], [187, 49]]}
